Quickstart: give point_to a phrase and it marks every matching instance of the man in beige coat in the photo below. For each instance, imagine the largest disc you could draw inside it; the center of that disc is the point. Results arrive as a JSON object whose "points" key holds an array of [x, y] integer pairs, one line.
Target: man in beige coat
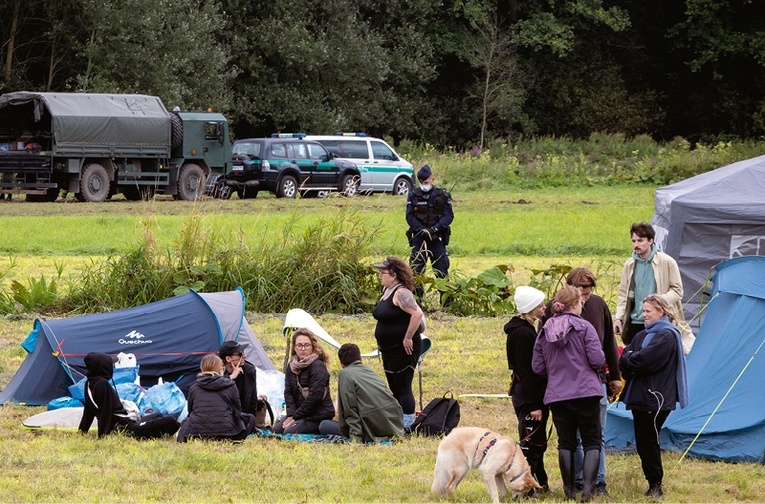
{"points": [[648, 272]]}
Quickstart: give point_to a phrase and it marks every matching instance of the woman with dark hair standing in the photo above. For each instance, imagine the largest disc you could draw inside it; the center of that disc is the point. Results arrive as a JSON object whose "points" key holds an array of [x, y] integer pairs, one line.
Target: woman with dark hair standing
{"points": [[527, 388], [399, 318], [569, 354], [306, 387], [654, 366]]}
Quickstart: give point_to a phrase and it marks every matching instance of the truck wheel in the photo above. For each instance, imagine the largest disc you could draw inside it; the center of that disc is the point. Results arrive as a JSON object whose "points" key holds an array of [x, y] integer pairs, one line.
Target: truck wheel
{"points": [[191, 182], [222, 191], [94, 183], [288, 187], [402, 187], [350, 185], [176, 131]]}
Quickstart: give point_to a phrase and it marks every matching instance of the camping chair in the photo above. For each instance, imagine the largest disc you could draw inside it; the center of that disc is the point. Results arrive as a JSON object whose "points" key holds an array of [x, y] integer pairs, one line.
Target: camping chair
{"points": [[297, 318]]}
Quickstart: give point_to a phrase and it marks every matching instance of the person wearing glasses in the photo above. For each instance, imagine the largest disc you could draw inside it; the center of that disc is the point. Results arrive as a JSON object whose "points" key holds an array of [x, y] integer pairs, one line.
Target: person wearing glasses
{"points": [[306, 386], [400, 322], [595, 311], [242, 373], [654, 366]]}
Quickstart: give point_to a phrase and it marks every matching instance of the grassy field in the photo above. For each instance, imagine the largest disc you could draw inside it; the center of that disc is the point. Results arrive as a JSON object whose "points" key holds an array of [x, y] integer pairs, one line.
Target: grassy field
{"points": [[575, 226]]}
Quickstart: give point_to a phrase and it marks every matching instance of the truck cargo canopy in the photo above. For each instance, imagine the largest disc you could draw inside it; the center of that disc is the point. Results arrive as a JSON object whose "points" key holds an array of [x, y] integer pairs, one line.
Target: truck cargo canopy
{"points": [[98, 119]]}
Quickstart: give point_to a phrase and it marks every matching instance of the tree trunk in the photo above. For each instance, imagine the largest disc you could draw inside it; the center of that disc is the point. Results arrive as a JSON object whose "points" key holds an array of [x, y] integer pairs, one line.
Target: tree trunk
{"points": [[12, 40]]}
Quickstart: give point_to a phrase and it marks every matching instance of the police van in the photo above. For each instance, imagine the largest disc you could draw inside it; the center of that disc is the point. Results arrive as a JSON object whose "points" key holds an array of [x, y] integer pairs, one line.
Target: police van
{"points": [[381, 168]]}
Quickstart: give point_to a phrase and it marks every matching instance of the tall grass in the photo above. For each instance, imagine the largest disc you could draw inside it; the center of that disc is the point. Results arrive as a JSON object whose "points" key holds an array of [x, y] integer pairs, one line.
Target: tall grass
{"points": [[318, 267], [600, 159]]}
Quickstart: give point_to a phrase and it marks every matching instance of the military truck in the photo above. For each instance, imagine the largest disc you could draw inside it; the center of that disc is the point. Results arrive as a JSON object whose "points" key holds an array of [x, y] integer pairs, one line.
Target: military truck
{"points": [[98, 145]]}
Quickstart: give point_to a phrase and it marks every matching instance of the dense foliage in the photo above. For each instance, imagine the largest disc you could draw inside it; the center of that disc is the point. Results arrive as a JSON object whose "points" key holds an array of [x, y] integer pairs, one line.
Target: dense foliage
{"points": [[456, 72]]}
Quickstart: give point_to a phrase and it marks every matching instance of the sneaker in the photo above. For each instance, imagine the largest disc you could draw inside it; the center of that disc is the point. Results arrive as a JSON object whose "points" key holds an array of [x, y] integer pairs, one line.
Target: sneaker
{"points": [[600, 489]]}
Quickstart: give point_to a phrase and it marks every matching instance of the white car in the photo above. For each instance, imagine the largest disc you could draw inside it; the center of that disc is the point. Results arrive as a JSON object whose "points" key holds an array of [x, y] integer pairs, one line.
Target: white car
{"points": [[381, 168]]}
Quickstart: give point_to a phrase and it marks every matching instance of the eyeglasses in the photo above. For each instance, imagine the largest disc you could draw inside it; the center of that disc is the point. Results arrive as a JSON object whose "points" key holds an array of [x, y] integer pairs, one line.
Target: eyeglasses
{"points": [[303, 346]]}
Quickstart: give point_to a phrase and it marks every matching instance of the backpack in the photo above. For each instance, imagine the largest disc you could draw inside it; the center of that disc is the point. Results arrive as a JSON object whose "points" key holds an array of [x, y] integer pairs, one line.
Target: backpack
{"points": [[438, 418]]}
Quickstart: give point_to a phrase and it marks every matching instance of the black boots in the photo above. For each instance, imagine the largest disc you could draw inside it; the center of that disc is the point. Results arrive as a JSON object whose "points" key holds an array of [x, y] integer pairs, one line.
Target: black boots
{"points": [[655, 491], [566, 462], [589, 473]]}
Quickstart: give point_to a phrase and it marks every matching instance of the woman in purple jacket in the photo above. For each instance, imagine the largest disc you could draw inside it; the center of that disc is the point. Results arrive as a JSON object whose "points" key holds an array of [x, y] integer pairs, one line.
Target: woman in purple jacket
{"points": [[569, 354]]}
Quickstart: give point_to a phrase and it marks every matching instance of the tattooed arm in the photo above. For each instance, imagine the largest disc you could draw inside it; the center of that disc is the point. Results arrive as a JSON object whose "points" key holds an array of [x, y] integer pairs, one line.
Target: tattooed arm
{"points": [[404, 299]]}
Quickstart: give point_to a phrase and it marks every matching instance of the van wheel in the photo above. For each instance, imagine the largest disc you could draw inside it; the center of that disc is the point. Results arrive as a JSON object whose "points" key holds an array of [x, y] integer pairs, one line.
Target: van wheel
{"points": [[94, 183], [350, 185], [402, 187], [288, 187], [191, 182]]}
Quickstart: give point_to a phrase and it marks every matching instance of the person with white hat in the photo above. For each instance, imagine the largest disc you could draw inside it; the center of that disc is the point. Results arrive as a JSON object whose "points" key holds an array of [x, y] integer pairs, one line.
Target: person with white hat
{"points": [[527, 388]]}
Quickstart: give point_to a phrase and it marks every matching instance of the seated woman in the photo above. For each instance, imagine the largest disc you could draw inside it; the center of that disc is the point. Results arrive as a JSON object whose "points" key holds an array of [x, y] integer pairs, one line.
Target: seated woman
{"points": [[103, 403], [215, 410], [306, 387]]}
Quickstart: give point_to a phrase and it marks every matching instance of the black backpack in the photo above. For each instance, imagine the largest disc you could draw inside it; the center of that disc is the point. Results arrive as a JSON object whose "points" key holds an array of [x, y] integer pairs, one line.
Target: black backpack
{"points": [[438, 418]]}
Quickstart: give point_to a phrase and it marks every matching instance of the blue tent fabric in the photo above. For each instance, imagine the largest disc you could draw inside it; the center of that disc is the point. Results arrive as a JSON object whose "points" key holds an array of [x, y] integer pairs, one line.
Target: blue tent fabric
{"points": [[168, 337], [726, 359]]}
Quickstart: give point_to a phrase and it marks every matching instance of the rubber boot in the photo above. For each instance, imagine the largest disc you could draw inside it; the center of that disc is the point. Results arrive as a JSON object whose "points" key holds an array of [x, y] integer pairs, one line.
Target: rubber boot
{"points": [[566, 462], [408, 420], [589, 473]]}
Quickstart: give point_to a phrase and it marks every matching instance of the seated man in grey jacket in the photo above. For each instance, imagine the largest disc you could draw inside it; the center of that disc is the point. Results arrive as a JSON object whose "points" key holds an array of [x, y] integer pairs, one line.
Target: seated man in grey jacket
{"points": [[366, 409]]}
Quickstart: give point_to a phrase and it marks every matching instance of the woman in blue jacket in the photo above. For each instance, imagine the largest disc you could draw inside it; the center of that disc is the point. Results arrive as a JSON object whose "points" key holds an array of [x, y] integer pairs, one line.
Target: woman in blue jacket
{"points": [[654, 366], [569, 353]]}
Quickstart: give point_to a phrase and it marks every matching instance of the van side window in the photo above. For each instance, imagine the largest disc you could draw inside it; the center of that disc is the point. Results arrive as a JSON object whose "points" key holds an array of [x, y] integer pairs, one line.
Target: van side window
{"points": [[382, 151], [332, 146], [355, 150]]}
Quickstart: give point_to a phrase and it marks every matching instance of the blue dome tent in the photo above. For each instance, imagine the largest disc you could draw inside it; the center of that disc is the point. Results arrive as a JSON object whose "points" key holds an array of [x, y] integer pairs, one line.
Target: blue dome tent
{"points": [[168, 337], [725, 417]]}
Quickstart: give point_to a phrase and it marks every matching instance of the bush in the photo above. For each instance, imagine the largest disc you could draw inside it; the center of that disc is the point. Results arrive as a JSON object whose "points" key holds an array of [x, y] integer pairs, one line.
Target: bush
{"points": [[319, 268]]}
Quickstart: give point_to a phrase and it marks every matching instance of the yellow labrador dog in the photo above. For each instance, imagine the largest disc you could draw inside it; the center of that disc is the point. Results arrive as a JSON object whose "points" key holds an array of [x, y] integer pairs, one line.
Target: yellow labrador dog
{"points": [[495, 455]]}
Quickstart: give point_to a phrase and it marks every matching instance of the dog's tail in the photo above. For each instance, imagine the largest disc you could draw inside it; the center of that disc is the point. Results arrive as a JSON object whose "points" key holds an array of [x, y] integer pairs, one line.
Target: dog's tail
{"points": [[440, 476]]}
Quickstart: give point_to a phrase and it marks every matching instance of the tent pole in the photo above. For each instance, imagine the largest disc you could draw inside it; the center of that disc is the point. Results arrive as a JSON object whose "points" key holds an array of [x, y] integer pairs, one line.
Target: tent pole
{"points": [[722, 400]]}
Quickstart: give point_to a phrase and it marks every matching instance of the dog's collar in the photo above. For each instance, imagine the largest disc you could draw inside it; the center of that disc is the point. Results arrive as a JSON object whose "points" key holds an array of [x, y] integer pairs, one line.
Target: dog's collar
{"points": [[518, 475]]}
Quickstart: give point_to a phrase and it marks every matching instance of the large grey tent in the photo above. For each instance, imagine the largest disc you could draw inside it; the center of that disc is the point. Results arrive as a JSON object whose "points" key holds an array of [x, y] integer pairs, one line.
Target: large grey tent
{"points": [[709, 218]]}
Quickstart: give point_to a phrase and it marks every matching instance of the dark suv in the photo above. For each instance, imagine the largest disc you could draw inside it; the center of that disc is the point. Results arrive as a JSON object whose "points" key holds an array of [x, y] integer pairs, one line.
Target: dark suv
{"points": [[284, 166]]}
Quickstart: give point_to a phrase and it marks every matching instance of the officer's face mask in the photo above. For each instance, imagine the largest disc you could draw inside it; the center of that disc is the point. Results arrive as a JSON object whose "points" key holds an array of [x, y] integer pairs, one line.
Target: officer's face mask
{"points": [[426, 187]]}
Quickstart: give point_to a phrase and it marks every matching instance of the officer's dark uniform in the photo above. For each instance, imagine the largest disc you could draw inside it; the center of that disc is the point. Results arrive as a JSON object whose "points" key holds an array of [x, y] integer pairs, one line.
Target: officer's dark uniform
{"points": [[429, 215]]}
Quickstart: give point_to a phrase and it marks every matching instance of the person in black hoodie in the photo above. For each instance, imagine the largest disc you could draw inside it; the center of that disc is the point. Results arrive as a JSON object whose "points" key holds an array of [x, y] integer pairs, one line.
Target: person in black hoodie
{"points": [[215, 411], [527, 388], [103, 404], [242, 372], [306, 387]]}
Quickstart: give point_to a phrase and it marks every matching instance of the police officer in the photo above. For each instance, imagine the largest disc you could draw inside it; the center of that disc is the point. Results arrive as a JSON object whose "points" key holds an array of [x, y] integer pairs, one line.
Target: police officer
{"points": [[429, 214]]}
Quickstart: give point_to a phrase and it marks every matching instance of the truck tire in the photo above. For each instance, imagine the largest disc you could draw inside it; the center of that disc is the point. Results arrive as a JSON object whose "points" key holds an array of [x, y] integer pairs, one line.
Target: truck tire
{"points": [[350, 185], [402, 187], [94, 183], [288, 187], [176, 131], [191, 185]]}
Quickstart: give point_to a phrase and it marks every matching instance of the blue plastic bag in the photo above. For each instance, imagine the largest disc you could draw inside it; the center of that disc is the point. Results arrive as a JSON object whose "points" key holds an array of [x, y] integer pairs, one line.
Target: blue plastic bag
{"points": [[165, 398], [64, 402], [121, 375]]}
